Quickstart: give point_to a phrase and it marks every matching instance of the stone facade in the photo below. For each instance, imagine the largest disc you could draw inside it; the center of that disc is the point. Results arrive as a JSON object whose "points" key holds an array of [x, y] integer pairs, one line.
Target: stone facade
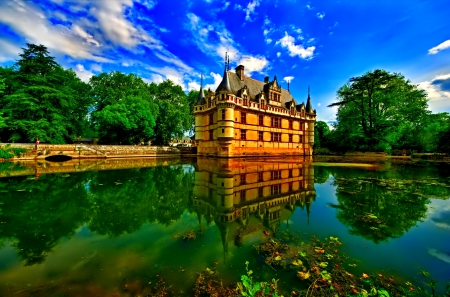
{"points": [[248, 117]]}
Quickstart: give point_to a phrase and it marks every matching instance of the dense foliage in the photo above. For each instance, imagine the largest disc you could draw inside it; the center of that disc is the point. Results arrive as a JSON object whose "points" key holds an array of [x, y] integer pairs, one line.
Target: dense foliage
{"points": [[381, 111], [40, 99]]}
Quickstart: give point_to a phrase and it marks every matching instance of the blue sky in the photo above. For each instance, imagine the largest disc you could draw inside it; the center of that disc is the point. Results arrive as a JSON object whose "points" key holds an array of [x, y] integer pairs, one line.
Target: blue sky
{"points": [[320, 44]]}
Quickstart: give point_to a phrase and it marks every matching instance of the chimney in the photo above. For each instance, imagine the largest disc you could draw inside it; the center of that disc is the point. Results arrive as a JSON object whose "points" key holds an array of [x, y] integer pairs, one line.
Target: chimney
{"points": [[266, 80], [240, 72]]}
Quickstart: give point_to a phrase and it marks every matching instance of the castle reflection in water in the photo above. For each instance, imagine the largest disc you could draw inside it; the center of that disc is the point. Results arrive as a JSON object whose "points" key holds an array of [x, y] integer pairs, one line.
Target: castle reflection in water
{"points": [[244, 196]]}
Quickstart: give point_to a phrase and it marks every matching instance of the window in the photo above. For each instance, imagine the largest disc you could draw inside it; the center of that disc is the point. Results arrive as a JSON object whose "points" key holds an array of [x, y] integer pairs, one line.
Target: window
{"points": [[211, 118], [290, 137], [260, 176], [242, 196], [223, 114], [275, 174], [261, 120], [211, 134], [260, 136], [243, 118], [275, 189], [245, 100], [242, 178], [243, 134], [275, 122], [260, 192], [290, 124], [275, 136]]}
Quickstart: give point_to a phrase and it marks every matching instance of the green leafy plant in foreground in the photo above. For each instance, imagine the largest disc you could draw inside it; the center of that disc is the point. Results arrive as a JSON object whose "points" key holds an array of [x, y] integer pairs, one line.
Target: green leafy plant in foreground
{"points": [[249, 288]]}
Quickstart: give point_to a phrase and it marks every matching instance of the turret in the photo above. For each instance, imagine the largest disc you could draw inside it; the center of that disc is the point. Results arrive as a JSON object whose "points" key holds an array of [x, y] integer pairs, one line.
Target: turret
{"points": [[199, 106]]}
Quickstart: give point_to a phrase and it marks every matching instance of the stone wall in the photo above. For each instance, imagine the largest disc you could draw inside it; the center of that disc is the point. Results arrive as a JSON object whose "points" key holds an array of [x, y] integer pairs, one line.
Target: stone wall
{"points": [[81, 151]]}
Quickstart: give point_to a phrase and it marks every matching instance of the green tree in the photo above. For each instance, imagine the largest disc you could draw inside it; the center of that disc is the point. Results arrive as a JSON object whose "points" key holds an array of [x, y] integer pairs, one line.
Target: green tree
{"points": [[42, 100], [174, 114], [378, 111], [433, 128], [192, 98], [321, 132], [2, 87], [125, 111]]}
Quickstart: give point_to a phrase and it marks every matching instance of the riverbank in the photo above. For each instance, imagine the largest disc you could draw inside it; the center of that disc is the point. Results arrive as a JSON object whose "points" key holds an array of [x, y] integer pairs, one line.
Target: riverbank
{"points": [[82, 151], [39, 167]]}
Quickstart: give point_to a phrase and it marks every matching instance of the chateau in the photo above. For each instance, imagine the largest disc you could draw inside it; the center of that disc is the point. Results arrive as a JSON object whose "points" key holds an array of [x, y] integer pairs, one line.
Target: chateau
{"points": [[246, 117]]}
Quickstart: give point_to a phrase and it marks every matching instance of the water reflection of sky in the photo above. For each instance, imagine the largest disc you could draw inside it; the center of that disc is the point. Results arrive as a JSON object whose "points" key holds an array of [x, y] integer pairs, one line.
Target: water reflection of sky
{"points": [[126, 262]]}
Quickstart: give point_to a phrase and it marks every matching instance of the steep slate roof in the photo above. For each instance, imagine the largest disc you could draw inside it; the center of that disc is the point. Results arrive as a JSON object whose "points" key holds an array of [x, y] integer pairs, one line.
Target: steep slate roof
{"points": [[232, 83]]}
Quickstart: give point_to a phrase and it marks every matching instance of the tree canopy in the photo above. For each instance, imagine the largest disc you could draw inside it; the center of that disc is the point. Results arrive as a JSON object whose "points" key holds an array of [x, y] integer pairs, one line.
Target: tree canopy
{"points": [[40, 99], [124, 111], [378, 111], [175, 116]]}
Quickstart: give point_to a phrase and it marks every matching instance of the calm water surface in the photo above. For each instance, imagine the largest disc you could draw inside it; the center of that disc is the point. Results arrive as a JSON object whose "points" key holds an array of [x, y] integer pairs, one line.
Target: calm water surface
{"points": [[116, 232]]}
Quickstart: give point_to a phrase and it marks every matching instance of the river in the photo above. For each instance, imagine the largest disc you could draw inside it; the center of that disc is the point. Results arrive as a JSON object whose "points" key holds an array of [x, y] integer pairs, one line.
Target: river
{"points": [[114, 228]]}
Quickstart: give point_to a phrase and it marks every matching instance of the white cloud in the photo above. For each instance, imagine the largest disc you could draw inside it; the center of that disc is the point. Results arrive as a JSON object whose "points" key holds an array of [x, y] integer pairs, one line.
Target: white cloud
{"points": [[212, 39], [29, 21], [278, 54], [149, 4], [96, 67], [318, 104], [86, 36], [217, 79], [308, 6], [193, 85], [268, 40], [250, 10], [155, 78], [296, 50], [82, 73], [237, 7], [9, 51], [439, 98], [113, 23], [253, 64], [444, 45], [288, 78], [174, 74], [320, 15]]}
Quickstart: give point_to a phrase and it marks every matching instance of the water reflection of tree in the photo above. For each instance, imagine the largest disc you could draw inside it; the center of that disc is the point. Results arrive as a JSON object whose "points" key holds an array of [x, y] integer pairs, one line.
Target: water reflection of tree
{"points": [[37, 213], [379, 209], [123, 203], [321, 174]]}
